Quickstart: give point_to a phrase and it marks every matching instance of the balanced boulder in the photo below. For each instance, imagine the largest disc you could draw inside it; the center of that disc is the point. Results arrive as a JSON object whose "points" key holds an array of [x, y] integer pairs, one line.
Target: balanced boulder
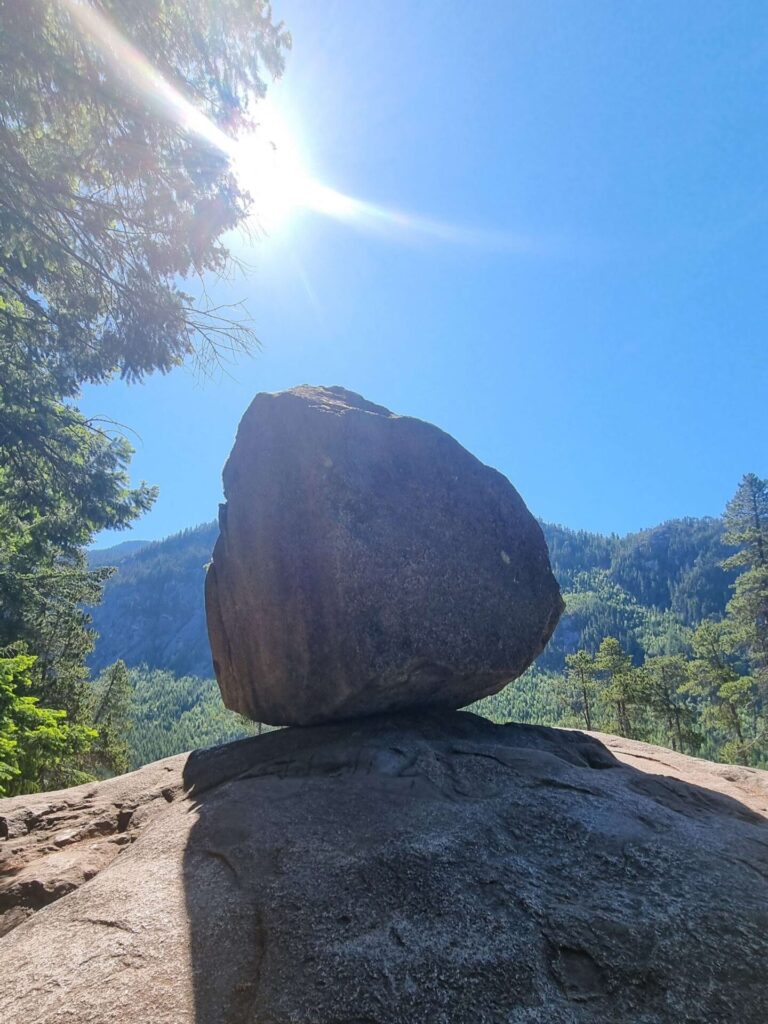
{"points": [[368, 563]]}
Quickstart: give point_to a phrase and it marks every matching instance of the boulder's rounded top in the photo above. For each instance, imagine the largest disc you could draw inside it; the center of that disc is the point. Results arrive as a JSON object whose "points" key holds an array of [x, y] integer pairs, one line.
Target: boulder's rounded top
{"points": [[333, 399]]}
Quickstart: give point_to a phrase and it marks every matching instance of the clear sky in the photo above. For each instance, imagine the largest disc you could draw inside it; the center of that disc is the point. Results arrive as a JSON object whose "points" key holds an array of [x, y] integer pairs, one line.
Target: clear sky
{"points": [[577, 285]]}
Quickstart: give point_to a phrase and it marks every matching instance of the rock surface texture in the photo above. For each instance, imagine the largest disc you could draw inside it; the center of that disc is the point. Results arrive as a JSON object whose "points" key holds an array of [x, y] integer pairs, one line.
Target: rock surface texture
{"points": [[368, 563], [426, 868]]}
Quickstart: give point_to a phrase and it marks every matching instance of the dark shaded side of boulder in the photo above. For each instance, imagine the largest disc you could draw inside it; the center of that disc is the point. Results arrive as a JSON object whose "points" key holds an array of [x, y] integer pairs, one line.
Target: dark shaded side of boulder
{"points": [[431, 867], [367, 563]]}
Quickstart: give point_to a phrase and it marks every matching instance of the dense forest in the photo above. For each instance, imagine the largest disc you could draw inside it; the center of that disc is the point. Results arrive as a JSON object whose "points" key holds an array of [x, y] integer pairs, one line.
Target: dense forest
{"points": [[109, 203], [654, 642], [175, 713]]}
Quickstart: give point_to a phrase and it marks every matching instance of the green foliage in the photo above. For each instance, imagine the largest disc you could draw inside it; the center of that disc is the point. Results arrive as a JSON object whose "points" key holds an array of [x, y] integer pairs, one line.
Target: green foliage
{"points": [[112, 717], [107, 203], [37, 744], [675, 566], [598, 607], [172, 714], [107, 198], [746, 522], [573, 552], [619, 684], [644, 589], [579, 684], [61, 481], [729, 708], [664, 689], [533, 699], [703, 690]]}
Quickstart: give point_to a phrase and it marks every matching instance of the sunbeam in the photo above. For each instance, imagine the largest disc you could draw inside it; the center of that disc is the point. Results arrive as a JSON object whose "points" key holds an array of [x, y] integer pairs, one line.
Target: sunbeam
{"points": [[129, 64], [270, 166]]}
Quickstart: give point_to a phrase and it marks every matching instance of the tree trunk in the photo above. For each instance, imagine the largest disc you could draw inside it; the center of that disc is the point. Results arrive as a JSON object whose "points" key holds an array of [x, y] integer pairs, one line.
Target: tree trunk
{"points": [[585, 698], [679, 729]]}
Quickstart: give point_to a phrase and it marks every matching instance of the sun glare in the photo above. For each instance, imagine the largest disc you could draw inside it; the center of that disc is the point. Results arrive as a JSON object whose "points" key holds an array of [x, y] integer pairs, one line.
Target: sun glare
{"points": [[269, 165]]}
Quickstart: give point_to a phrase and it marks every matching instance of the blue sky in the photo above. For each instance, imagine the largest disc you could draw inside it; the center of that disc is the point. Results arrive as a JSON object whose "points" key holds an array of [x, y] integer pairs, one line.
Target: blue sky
{"points": [[589, 315]]}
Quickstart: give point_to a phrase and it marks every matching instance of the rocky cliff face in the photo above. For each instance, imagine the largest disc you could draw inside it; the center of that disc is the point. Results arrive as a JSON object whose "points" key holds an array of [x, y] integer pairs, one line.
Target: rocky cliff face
{"points": [[431, 867]]}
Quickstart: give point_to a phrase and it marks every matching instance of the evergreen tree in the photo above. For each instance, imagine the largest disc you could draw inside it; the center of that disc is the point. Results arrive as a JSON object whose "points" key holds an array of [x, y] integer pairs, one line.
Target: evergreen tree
{"points": [[580, 676], [38, 746], [728, 694], [60, 482], [746, 523], [112, 718], [113, 188], [664, 682], [619, 681], [109, 199]]}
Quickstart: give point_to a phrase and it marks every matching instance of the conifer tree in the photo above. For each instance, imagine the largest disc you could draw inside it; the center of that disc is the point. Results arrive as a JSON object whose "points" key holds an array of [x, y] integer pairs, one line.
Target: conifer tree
{"points": [[580, 675], [112, 719], [728, 694], [664, 681], [746, 523], [109, 200], [619, 682]]}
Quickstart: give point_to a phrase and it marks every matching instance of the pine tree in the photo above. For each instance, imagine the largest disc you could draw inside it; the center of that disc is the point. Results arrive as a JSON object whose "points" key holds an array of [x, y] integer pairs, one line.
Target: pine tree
{"points": [[664, 683], [580, 676], [112, 719], [746, 522], [619, 681], [728, 694]]}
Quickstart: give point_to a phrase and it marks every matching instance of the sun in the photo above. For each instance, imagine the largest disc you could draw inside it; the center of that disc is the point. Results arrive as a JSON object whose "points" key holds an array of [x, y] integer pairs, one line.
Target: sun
{"points": [[269, 165]]}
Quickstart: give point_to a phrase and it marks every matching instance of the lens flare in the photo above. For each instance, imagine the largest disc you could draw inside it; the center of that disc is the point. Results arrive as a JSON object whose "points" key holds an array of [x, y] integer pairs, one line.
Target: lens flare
{"points": [[133, 68], [269, 166], [268, 162]]}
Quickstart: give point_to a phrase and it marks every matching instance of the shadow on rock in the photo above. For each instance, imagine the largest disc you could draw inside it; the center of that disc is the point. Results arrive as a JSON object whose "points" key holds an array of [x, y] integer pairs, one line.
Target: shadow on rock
{"points": [[437, 867]]}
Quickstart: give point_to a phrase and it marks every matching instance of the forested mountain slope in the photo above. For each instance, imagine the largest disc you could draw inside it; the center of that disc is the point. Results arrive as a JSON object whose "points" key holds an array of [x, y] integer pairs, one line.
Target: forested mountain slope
{"points": [[152, 612], [114, 556], [172, 713], [644, 588], [641, 588], [673, 566]]}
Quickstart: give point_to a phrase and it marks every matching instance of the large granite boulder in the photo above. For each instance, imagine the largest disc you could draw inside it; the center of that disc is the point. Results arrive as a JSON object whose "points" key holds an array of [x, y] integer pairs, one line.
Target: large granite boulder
{"points": [[368, 563], [432, 868]]}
